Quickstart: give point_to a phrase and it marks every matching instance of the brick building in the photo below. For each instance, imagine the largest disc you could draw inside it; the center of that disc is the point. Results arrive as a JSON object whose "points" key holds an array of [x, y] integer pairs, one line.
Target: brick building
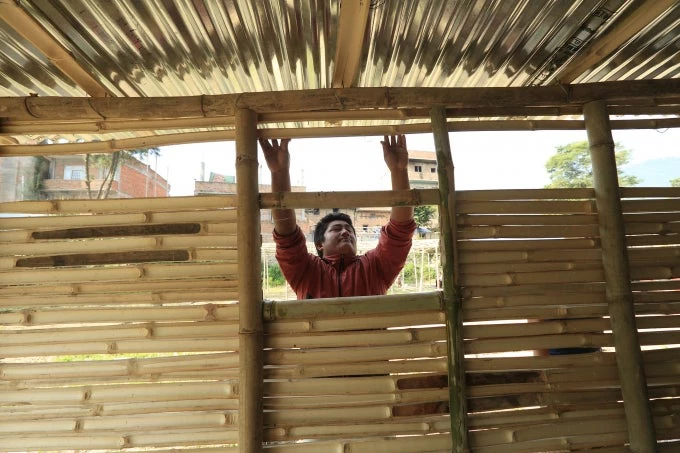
{"points": [[64, 178]]}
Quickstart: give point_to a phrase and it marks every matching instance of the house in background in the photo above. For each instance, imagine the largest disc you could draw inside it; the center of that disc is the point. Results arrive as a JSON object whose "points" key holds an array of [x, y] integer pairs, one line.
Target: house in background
{"points": [[66, 179]]}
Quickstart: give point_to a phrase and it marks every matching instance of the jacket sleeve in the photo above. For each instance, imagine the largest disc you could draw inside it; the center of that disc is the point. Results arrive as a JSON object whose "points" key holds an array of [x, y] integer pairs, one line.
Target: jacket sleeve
{"points": [[293, 258], [392, 250]]}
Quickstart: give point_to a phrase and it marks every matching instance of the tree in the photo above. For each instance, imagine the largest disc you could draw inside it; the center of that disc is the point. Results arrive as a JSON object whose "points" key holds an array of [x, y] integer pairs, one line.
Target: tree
{"points": [[423, 215], [675, 182], [571, 166], [110, 163]]}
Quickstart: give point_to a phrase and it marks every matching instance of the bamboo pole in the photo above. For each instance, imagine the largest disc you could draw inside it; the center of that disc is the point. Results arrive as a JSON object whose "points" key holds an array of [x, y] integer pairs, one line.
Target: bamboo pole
{"points": [[452, 297], [294, 200], [619, 295], [250, 285], [33, 107]]}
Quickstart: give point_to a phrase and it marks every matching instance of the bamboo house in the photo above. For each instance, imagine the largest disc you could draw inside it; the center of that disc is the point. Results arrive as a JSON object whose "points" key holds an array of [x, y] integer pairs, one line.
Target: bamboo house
{"points": [[139, 324]]}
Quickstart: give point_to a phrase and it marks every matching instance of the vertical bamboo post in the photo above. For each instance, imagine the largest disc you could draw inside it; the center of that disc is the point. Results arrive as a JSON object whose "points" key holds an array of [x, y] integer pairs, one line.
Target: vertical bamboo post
{"points": [[454, 318], [250, 285], [619, 296]]}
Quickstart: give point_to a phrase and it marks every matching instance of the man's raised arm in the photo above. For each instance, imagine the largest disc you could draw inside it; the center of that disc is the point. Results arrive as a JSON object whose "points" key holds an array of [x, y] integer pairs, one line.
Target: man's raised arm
{"points": [[396, 158], [278, 160]]}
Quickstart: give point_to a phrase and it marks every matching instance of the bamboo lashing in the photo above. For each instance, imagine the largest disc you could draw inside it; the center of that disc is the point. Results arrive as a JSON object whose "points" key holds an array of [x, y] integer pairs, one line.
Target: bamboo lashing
{"points": [[619, 296]]}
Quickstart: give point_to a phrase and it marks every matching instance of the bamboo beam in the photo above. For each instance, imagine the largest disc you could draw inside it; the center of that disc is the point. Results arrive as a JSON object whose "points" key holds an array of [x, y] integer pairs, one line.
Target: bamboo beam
{"points": [[251, 360], [616, 269], [351, 306], [110, 146], [645, 92], [452, 299], [295, 200]]}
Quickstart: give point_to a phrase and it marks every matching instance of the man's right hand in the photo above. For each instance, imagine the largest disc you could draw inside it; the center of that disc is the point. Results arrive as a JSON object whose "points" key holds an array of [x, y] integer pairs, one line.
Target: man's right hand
{"points": [[276, 154]]}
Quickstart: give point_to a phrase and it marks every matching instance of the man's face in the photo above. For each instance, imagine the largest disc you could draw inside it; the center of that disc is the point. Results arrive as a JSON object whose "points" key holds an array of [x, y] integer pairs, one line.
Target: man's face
{"points": [[339, 239]]}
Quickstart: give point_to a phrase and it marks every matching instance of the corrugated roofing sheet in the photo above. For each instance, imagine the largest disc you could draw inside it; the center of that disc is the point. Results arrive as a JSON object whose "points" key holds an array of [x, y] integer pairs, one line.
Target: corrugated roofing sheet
{"points": [[193, 47]]}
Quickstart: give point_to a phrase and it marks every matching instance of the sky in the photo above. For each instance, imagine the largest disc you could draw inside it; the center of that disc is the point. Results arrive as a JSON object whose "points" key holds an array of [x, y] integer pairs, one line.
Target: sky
{"points": [[482, 160]]}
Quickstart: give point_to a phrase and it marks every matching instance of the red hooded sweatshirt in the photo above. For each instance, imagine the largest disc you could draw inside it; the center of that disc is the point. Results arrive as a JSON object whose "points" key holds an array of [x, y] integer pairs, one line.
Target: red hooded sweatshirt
{"points": [[372, 273]]}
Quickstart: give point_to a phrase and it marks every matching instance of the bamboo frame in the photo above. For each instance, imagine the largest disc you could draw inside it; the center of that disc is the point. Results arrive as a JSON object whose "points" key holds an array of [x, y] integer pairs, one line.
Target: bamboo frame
{"points": [[619, 296], [250, 285], [448, 209]]}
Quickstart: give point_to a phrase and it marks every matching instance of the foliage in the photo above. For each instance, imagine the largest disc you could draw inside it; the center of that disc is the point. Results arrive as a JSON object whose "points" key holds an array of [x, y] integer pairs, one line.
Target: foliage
{"points": [[423, 215], [675, 182], [570, 167], [41, 170], [275, 276], [110, 164]]}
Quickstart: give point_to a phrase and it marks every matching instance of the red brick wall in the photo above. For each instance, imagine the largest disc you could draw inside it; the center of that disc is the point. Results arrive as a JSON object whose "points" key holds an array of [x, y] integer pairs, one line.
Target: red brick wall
{"points": [[140, 181]]}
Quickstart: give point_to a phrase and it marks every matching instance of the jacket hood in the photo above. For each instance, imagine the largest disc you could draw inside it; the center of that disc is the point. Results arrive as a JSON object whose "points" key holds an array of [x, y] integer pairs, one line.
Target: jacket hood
{"points": [[339, 260]]}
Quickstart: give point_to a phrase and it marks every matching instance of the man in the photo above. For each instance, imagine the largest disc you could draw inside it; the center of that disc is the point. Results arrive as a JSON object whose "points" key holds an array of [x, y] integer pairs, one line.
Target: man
{"points": [[338, 271]]}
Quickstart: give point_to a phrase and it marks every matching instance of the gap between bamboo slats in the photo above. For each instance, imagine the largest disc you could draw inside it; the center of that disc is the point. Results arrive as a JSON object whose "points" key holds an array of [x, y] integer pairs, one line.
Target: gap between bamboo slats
{"points": [[194, 312], [135, 272]]}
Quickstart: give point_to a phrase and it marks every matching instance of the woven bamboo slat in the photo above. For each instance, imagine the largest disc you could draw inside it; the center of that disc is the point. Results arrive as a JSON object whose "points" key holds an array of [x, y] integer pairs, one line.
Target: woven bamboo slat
{"points": [[355, 339], [525, 194], [467, 220], [563, 299], [527, 207], [322, 356], [119, 205], [530, 278], [150, 330], [527, 245], [363, 323], [546, 313], [118, 245], [83, 220], [649, 192], [532, 256], [537, 328], [528, 231], [147, 271], [533, 289], [121, 347], [147, 297], [295, 200], [126, 367], [423, 364], [650, 205], [124, 393], [495, 268], [351, 306], [584, 340]]}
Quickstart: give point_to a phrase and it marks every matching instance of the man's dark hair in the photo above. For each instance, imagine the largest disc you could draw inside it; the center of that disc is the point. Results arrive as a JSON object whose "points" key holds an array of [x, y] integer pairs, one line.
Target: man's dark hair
{"points": [[321, 227]]}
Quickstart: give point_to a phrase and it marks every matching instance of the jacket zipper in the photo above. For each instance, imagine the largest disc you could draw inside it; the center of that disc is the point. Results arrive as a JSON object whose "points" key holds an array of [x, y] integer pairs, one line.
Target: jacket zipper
{"points": [[342, 265]]}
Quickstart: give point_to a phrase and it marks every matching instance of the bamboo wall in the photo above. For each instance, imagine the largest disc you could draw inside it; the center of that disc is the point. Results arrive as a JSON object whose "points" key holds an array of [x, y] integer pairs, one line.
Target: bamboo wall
{"points": [[83, 281], [119, 326]]}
